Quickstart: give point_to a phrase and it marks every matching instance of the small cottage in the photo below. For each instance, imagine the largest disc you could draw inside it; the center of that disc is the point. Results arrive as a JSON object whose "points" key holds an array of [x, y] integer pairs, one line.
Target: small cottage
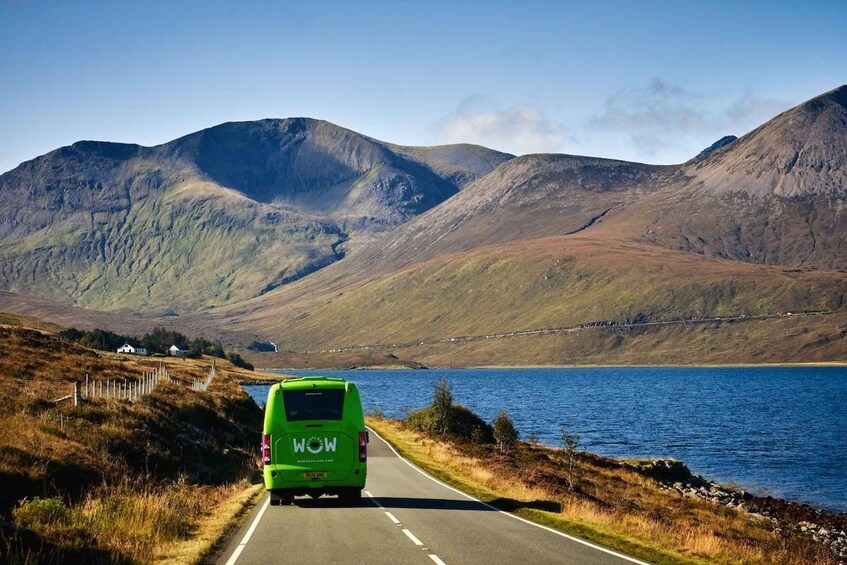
{"points": [[176, 351], [127, 348]]}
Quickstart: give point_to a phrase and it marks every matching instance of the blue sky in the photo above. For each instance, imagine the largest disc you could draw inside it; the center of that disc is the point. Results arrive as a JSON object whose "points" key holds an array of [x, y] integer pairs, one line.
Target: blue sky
{"points": [[646, 81]]}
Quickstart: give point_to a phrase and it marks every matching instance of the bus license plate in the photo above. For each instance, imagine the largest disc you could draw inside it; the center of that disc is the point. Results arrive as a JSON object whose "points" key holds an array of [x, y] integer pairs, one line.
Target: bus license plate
{"points": [[315, 475]]}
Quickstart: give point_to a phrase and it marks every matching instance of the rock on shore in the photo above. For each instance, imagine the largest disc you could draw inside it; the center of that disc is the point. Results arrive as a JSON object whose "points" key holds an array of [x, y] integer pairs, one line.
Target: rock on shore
{"points": [[829, 528]]}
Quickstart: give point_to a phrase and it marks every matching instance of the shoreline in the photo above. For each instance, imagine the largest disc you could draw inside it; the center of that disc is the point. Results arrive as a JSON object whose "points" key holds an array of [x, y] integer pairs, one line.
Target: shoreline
{"points": [[821, 364]]}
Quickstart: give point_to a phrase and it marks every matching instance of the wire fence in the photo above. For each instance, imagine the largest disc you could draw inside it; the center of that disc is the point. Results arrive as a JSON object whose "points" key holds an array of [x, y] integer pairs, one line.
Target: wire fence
{"points": [[202, 385], [124, 389]]}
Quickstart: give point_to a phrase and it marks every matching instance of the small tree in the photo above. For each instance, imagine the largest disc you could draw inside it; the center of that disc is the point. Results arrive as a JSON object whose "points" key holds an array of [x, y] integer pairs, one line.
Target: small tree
{"points": [[505, 433], [571, 443], [442, 406]]}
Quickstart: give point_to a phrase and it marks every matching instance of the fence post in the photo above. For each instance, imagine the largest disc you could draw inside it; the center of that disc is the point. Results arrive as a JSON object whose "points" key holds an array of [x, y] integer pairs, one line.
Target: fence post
{"points": [[77, 395]]}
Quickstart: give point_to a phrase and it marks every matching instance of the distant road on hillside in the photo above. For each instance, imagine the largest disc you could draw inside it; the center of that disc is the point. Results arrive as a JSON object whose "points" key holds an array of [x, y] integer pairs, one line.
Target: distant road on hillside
{"points": [[581, 327]]}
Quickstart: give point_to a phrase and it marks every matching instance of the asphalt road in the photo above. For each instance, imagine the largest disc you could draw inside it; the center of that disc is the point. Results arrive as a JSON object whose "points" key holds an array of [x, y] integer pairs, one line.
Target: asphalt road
{"points": [[405, 517]]}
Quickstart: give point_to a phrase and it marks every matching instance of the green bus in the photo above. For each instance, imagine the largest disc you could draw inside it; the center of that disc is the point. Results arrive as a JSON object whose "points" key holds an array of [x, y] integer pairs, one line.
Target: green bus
{"points": [[314, 440]]}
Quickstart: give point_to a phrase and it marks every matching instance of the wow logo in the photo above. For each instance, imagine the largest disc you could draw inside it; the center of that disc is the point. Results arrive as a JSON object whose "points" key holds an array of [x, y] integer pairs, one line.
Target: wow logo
{"points": [[315, 445]]}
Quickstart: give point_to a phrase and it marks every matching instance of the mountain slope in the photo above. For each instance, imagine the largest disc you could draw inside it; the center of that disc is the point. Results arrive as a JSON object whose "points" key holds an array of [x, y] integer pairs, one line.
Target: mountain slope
{"points": [[255, 216], [547, 241], [553, 282], [219, 215], [321, 168], [801, 152], [775, 196]]}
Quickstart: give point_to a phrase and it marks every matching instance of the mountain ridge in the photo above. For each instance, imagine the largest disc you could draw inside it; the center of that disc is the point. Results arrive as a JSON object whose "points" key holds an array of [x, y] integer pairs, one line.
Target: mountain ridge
{"points": [[754, 227], [271, 201]]}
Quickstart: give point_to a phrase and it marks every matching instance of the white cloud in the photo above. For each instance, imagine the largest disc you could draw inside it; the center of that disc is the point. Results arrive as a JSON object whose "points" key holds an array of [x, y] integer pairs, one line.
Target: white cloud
{"points": [[665, 122], [519, 130], [652, 116], [749, 110]]}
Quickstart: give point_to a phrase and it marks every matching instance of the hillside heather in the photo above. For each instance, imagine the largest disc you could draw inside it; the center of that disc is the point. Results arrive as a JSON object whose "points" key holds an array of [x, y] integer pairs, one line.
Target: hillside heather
{"points": [[114, 481]]}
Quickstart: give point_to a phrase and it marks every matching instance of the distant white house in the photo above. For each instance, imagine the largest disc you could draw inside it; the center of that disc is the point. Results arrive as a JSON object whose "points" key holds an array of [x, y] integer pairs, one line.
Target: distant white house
{"points": [[176, 351], [127, 348]]}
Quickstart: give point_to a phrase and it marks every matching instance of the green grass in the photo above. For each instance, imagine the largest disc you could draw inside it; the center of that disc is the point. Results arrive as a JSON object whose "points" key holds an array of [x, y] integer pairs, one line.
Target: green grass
{"points": [[201, 246], [562, 282]]}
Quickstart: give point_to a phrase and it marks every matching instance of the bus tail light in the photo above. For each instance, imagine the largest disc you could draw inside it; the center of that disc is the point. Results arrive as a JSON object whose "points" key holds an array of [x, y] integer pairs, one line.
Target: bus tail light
{"points": [[363, 447], [266, 449]]}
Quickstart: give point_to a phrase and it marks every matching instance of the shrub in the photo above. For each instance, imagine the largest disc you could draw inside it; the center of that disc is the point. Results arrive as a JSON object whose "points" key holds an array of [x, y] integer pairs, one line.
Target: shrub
{"points": [[571, 443], [442, 404], [40, 513], [50, 518], [464, 424], [505, 433], [239, 361]]}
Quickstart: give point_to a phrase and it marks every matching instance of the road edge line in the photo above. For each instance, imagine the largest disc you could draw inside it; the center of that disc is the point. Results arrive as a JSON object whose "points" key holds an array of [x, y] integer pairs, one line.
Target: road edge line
{"points": [[243, 543], [509, 514]]}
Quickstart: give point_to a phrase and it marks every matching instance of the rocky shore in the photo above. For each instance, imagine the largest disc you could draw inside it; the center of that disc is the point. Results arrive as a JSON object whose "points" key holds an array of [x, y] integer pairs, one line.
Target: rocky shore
{"points": [[829, 528]]}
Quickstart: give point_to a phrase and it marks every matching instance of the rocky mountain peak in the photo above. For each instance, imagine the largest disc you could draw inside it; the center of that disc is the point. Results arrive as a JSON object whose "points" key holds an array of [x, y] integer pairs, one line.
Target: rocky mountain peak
{"points": [[802, 151], [722, 142]]}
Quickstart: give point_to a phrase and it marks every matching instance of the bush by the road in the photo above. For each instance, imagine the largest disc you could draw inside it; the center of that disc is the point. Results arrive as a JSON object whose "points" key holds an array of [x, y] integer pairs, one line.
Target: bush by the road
{"points": [[463, 425], [504, 432], [445, 419]]}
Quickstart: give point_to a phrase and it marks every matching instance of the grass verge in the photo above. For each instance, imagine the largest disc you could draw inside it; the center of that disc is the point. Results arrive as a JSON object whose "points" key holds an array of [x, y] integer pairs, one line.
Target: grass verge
{"points": [[213, 527], [605, 502]]}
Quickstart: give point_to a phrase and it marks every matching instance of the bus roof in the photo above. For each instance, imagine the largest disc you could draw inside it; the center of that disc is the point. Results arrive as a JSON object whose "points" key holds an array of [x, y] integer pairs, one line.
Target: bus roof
{"points": [[313, 382]]}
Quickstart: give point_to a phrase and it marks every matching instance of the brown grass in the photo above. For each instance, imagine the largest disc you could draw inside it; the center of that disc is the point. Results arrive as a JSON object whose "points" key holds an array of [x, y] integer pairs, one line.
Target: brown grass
{"points": [[611, 503], [112, 479]]}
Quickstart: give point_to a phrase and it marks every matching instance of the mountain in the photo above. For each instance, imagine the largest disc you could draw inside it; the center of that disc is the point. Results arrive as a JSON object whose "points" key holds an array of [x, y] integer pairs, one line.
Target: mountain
{"points": [[725, 140], [219, 215], [775, 196], [801, 152], [479, 257], [552, 241]]}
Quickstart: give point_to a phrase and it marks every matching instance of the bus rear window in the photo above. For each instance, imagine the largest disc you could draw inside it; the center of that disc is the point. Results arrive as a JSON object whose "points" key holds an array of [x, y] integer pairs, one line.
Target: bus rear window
{"points": [[313, 404]]}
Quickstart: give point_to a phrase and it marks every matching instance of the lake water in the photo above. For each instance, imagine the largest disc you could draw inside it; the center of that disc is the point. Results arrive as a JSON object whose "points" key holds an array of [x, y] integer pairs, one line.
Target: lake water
{"points": [[778, 431]]}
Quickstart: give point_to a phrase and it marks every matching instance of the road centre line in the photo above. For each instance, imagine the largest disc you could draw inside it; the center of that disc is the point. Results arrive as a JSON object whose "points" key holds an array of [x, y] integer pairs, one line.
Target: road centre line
{"points": [[510, 515], [374, 500], [412, 537], [409, 534], [235, 554]]}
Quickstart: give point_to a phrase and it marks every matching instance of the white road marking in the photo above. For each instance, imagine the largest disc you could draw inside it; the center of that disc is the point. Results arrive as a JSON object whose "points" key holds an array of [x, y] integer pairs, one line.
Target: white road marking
{"points": [[436, 559], [510, 515], [374, 500], [235, 554], [412, 537], [392, 518]]}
